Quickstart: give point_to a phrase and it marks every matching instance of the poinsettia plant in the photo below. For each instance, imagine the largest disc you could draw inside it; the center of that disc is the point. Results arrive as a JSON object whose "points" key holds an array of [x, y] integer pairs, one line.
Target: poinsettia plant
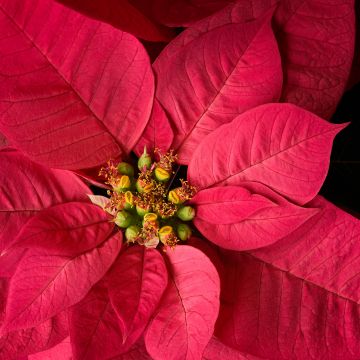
{"points": [[170, 210]]}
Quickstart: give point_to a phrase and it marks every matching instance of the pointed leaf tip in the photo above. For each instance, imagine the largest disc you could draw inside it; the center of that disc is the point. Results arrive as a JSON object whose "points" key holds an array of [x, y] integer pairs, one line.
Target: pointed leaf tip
{"points": [[214, 71], [136, 284], [66, 102], [279, 145], [234, 218], [36, 295], [184, 322]]}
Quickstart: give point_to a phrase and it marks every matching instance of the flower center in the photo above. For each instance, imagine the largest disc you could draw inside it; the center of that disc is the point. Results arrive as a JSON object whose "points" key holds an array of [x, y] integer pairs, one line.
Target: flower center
{"points": [[145, 204]]}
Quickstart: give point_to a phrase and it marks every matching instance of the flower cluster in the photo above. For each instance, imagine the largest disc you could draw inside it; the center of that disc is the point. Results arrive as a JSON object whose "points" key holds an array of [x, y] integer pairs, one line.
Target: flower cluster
{"points": [[144, 202], [254, 253]]}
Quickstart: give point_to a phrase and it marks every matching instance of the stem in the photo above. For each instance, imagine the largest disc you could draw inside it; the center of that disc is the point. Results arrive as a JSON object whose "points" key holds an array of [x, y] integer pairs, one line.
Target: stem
{"points": [[173, 178]]}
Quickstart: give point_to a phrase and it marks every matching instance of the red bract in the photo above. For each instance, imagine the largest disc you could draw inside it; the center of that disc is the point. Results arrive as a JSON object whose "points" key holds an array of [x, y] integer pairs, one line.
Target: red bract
{"points": [[76, 101], [138, 282], [317, 44], [281, 146], [298, 297], [76, 92], [202, 86], [123, 15], [177, 12], [40, 188]]}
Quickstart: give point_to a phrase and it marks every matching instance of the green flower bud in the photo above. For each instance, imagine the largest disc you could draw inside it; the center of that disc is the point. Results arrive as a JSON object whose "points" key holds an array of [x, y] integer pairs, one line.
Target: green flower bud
{"points": [[123, 219], [183, 232], [162, 174], [131, 233], [144, 160], [142, 210], [186, 213], [125, 169]]}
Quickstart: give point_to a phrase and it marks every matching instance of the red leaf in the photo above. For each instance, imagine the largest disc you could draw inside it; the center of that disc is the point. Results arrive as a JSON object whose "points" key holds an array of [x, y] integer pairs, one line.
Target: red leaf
{"points": [[94, 329], [136, 285], [211, 73], [237, 219], [354, 76], [179, 12], [26, 188], [316, 39], [66, 229], [210, 250], [4, 285], [62, 351], [23, 342], [298, 298], [185, 320], [279, 145], [80, 93], [46, 283], [217, 350], [3, 141], [158, 132], [123, 15], [137, 352], [9, 260]]}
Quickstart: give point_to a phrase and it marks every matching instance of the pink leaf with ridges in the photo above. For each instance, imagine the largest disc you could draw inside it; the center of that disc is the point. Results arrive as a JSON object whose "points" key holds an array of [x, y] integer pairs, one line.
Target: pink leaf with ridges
{"points": [[3, 141], [67, 229], [136, 284], [237, 219], [94, 329], [61, 351], [46, 283], [179, 12], [158, 132], [23, 342], [26, 188], [184, 322], [9, 260], [123, 15], [4, 286], [137, 352], [80, 93], [215, 350], [216, 74], [209, 249], [279, 145], [298, 298], [316, 40]]}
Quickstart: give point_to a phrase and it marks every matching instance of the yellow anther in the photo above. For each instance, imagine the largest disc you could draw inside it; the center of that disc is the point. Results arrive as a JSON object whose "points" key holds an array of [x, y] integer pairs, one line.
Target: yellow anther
{"points": [[129, 198], [125, 182], [162, 174], [174, 197], [150, 217]]}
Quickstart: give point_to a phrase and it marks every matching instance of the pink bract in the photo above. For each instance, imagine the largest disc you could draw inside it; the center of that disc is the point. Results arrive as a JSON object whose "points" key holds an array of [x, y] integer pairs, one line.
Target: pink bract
{"points": [[70, 95], [272, 269]]}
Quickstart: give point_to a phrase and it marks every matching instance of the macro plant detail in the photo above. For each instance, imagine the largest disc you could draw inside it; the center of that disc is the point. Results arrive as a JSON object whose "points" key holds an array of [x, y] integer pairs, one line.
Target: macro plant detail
{"points": [[146, 206], [160, 169]]}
